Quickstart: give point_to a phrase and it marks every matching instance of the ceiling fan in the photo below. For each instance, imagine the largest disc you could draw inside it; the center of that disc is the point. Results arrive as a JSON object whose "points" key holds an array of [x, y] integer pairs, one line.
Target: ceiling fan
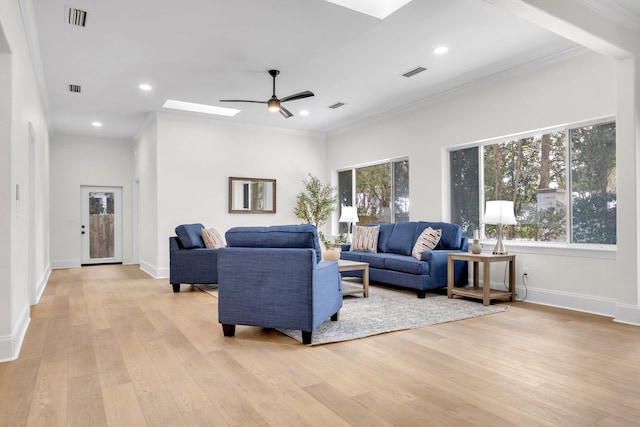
{"points": [[274, 103]]}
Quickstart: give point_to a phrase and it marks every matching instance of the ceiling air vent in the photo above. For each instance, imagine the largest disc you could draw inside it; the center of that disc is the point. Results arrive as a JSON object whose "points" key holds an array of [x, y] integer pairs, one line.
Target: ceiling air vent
{"points": [[336, 105], [75, 16], [75, 88], [414, 72]]}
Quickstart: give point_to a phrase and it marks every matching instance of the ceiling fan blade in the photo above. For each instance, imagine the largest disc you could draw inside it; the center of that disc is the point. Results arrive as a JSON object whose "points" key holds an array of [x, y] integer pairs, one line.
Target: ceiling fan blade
{"points": [[285, 113], [300, 95], [242, 100]]}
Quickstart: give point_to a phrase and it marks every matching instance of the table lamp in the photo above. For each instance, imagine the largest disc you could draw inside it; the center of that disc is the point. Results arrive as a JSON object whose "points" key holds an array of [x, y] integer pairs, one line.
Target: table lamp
{"points": [[349, 215], [499, 212]]}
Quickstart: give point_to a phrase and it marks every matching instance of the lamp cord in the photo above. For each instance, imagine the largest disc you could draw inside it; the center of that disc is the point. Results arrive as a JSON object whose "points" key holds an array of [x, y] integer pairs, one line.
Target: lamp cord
{"points": [[524, 284]]}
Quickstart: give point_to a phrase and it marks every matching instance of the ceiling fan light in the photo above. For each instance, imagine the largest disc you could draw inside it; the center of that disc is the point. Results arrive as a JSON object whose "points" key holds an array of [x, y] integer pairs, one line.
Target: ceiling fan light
{"points": [[274, 104]]}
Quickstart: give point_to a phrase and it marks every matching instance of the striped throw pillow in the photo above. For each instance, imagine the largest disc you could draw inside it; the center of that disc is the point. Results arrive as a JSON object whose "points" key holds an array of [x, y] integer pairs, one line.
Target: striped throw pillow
{"points": [[427, 240], [212, 238], [365, 239]]}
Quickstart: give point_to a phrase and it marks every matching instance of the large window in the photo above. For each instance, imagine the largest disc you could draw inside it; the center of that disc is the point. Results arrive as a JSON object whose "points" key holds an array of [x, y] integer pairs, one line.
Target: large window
{"points": [[380, 192], [562, 183]]}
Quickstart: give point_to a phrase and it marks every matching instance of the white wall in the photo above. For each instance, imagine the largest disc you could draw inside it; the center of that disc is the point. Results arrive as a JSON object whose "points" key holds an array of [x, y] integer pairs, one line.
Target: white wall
{"points": [[81, 161], [195, 158], [146, 175], [20, 108], [579, 88]]}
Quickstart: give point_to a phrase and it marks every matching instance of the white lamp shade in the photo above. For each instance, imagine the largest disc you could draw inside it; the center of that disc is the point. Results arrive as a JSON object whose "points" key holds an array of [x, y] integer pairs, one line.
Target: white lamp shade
{"points": [[349, 214], [499, 212]]}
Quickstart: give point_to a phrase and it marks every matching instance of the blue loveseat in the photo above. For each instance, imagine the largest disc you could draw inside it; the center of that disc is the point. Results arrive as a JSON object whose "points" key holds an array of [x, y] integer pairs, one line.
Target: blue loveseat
{"points": [[273, 277], [190, 262], [393, 263]]}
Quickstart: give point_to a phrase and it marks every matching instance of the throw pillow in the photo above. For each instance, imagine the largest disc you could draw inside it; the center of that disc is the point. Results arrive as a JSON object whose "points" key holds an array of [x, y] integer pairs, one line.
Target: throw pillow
{"points": [[365, 239], [427, 240], [212, 238]]}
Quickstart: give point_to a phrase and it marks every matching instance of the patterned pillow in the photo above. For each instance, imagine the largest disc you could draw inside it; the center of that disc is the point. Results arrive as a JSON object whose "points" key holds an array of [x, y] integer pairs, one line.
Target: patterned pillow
{"points": [[365, 239], [427, 240], [212, 238]]}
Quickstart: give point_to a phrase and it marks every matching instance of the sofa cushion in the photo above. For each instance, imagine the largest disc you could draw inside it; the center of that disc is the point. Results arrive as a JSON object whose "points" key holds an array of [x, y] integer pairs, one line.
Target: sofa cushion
{"points": [[365, 239], [212, 238], [384, 235], [402, 238], [405, 264], [451, 237], [427, 240], [374, 260], [190, 235], [277, 236]]}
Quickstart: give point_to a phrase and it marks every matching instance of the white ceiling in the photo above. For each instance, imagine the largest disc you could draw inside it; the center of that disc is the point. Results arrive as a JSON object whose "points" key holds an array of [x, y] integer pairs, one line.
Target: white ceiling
{"points": [[202, 51]]}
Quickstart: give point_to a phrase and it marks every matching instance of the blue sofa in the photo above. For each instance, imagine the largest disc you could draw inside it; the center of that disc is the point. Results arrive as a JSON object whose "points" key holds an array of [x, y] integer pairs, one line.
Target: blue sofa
{"points": [[190, 262], [394, 265], [273, 277]]}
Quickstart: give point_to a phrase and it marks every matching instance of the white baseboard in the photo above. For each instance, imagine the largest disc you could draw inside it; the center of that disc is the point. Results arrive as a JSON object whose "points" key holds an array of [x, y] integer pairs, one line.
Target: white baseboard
{"points": [[75, 263], [10, 345], [623, 313], [65, 263], [42, 283], [627, 313], [153, 271]]}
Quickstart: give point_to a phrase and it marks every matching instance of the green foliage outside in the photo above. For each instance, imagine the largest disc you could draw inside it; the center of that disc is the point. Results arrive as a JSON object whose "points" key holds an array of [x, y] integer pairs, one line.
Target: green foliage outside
{"points": [[532, 172]]}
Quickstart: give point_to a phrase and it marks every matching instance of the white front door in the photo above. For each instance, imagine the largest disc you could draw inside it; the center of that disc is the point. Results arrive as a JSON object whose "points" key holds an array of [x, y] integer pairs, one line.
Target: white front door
{"points": [[101, 227]]}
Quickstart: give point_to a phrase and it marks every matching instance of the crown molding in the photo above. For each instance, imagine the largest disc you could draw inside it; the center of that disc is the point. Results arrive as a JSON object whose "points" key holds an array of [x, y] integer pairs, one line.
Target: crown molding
{"points": [[450, 93], [614, 11], [31, 33]]}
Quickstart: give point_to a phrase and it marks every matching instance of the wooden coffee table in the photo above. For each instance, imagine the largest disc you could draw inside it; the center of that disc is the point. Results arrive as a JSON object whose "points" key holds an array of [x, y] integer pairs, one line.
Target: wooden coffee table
{"points": [[350, 286]]}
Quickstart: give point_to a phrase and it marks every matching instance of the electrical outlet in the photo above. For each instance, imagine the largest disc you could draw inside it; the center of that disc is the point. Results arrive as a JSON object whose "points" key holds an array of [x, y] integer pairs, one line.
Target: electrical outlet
{"points": [[525, 271]]}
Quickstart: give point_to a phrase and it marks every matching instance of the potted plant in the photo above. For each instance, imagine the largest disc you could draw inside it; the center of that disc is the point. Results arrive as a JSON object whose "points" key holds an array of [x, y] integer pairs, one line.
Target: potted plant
{"points": [[314, 206], [332, 248]]}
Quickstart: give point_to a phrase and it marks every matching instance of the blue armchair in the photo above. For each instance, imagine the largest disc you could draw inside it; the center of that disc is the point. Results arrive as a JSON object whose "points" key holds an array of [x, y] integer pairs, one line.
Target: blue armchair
{"points": [[189, 261], [273, 277]]}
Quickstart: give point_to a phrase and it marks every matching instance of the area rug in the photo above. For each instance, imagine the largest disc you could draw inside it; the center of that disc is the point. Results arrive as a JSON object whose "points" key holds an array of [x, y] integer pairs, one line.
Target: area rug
{"points": [[388, 310]]}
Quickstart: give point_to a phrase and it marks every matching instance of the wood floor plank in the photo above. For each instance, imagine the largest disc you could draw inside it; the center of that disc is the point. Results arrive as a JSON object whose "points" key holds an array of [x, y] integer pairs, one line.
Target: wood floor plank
{"points": [[49, 402], [121, 406], [108, 345]]}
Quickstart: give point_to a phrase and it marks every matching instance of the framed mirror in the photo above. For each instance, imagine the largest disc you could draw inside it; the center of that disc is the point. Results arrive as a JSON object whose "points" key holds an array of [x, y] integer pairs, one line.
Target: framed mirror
{"points": [[252, 195]]}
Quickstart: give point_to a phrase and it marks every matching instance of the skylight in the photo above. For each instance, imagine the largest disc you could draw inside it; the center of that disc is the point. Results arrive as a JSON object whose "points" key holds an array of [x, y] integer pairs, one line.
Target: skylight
{"points": [[377, 8], [200, 108]]}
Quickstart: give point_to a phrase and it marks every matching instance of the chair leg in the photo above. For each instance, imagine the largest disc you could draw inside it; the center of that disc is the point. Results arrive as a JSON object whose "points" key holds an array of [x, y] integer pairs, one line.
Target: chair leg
{"points": [[306, 337], [335, 316], [228, 330], [422, 294], [176, 288]]}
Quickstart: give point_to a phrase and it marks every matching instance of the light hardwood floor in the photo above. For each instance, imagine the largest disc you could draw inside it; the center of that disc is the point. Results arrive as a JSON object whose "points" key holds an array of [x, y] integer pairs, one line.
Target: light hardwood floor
{"points": [[108, 345]]}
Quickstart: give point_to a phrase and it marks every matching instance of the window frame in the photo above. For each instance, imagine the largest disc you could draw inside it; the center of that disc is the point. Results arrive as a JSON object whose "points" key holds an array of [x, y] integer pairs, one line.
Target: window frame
{"points": [[591, 250], [353, 169]]}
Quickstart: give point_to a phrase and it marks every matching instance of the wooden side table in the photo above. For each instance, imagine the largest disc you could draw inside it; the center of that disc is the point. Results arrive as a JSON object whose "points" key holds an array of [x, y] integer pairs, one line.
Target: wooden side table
{"points": [[347, 286], [485, 293]]}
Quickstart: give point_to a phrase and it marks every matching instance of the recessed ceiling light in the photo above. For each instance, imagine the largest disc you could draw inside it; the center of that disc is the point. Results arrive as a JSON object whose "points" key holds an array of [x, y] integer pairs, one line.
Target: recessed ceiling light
{"points": [[96, 124], [200, 108], [145, 87], [440, 50], [304, 113]]}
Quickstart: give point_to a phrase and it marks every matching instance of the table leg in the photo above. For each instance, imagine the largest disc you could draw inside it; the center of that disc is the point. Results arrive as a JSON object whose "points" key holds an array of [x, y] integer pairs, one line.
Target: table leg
{"points": [[512, 279], [475, 274], [486, 283], [365, 281], [449, 277]]}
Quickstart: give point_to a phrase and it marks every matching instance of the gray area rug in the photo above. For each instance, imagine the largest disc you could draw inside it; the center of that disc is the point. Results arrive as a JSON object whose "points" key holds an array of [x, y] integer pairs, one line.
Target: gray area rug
{"points": [[388, 310]]}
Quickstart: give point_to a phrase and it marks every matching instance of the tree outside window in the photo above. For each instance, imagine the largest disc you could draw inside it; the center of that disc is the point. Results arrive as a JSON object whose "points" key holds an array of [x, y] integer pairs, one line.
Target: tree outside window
{"points": [[381, 192], [552, 203]]}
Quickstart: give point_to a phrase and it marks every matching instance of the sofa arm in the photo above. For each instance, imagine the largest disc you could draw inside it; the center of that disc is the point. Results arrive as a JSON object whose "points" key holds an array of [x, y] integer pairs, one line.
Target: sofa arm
{"points": [[439, 265], [193, 266]]}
